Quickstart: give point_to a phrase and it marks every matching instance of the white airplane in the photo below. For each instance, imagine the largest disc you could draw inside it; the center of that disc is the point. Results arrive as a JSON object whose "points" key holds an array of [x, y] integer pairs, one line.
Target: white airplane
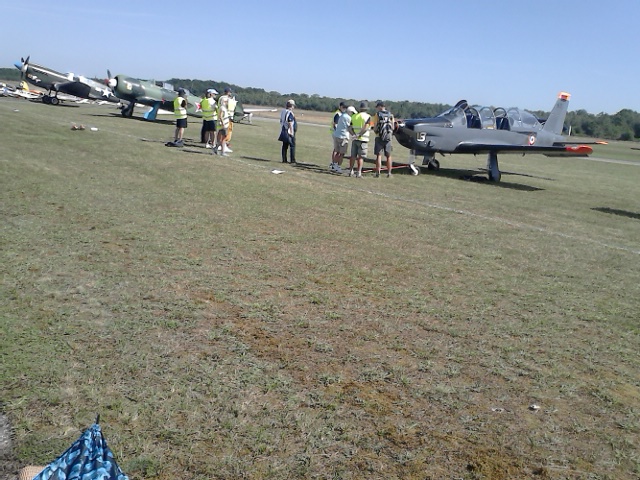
{"points": [[241, 114]]}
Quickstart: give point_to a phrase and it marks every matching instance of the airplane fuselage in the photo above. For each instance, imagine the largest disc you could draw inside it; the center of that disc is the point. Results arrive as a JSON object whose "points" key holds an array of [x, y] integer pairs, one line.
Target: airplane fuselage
{"points": [[146, 92], [428, 137], [67, 83], [475, 129]]}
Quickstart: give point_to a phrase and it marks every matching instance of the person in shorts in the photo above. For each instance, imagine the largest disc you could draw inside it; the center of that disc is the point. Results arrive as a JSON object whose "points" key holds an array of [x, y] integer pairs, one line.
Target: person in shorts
{"points": [[180, 112], [341, 137], [223, 121], [208, 106], [360, 129], [381, 147]]}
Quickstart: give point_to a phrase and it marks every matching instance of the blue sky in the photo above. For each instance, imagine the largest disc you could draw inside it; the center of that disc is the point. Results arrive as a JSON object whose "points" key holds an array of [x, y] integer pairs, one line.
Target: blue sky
{"points": [[501, 53]]}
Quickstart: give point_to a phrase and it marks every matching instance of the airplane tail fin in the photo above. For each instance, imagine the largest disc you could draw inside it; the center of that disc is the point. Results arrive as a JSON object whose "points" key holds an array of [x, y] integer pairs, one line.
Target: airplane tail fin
{"points": [[555, 122]]}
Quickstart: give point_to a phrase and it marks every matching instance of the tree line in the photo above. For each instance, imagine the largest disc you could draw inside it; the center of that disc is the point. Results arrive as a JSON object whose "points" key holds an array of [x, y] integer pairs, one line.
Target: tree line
{"points": [[624, 125]]}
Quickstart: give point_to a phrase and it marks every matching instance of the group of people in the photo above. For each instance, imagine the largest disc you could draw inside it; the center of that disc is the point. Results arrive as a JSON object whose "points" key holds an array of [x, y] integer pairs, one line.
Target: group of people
{"points": [[349, 126], [217, 119], [352, 126]]}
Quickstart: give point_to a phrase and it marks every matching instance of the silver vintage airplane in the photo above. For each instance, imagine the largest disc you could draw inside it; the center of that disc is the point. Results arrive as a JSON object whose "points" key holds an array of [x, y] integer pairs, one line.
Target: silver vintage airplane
{"points": [[477, 130]]}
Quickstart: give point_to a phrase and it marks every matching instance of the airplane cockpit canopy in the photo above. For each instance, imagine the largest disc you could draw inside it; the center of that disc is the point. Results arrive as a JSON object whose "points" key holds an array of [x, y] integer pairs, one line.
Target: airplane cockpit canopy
{"points": [[463, 115], [456, 115], [521, 119]]}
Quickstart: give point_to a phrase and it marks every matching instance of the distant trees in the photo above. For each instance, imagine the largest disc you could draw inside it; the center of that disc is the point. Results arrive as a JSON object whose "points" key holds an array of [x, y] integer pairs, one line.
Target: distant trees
{"points": [[624, 125]]}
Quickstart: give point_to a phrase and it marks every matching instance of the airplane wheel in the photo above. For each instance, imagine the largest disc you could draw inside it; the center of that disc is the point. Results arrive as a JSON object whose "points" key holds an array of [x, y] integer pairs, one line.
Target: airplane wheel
{"points": [[46, 99], [495, 178], [434, 165], [54, 101]]}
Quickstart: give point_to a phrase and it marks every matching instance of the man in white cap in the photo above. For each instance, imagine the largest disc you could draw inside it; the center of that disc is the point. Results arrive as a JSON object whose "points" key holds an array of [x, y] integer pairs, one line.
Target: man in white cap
{"points": [[288, 127], [341, 136], [208, 106]]}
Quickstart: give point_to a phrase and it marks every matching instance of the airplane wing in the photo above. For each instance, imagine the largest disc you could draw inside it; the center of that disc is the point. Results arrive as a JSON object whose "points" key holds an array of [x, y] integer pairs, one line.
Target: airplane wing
{"points": [[24, 94], [254, 110], [82, 90], [556, 150]]}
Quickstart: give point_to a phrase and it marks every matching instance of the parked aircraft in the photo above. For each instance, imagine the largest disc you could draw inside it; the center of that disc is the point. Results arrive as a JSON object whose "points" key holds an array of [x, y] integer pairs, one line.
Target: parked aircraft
{"points": [[56, 82], [160, 96], [157, 95], [467, 129], [246, 114]]}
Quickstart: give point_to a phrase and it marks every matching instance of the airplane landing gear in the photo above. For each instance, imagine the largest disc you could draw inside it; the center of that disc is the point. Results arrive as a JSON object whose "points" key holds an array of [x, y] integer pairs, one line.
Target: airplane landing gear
{"points": [[492, 167], [431, 162], [46, 100], [128, 110], [54, 101]]}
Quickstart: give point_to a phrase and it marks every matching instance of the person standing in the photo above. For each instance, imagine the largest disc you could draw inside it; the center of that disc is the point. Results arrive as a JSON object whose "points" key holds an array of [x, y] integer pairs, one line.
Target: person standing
{"points": [[208, 106], [360, 129], [180, 112], [288, 127], [233, 103], [383, 123], [223, 121], [332, 128], [341, 136]]}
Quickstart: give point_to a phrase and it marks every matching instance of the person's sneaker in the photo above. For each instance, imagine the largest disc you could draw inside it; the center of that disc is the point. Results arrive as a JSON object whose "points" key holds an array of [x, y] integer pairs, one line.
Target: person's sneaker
{"points": [[337, 168], [389, 175], [208, 145], [228, 150], [351, 174], [377, 174], [359, 175]]}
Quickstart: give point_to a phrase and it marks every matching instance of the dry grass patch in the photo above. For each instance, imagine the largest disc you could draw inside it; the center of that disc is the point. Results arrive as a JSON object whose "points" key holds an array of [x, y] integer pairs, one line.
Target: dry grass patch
{"points": [[230, 323]]}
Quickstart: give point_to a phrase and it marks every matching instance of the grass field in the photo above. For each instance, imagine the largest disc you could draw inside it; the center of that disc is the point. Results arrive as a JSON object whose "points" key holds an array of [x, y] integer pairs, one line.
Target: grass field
{"points": [[230, 323]]}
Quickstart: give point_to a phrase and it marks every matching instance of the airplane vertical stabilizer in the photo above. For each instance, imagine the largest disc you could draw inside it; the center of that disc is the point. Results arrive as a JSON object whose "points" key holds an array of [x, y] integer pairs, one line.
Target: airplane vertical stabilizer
{"points": [[555, 122]]}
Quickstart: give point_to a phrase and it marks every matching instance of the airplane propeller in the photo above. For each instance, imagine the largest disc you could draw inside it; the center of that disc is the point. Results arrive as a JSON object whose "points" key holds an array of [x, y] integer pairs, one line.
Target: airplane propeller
{"points": [[111, 82], [25, 65]]}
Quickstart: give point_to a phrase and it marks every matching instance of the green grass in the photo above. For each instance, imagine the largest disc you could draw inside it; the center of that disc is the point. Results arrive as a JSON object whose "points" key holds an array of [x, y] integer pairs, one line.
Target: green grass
{"points": [[230, 323]]}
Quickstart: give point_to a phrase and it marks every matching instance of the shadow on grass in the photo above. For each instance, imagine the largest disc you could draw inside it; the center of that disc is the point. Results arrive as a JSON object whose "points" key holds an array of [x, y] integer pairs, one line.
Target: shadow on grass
{"points": [[614, 211], [479, 176], [140, 119]]}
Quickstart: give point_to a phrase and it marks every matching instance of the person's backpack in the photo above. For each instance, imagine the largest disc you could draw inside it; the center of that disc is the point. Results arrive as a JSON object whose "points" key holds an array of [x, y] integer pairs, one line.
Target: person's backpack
{"points": [[384, 128]]}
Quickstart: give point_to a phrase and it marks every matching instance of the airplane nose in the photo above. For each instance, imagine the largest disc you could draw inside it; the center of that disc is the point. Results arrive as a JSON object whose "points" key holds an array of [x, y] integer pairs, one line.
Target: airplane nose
{"points": [[112, 82]]}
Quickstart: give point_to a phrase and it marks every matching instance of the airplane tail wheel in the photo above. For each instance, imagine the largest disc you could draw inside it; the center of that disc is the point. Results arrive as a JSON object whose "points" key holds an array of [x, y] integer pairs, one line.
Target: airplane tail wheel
{"points": [[54, 101]]}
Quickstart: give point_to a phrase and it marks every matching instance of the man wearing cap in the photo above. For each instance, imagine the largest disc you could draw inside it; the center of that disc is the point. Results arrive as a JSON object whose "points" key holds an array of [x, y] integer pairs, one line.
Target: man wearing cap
{"points": [[341, 136], [223, 121], [180, 112], [288, 129], [208, 106], [360, 124], [382, 116]]}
